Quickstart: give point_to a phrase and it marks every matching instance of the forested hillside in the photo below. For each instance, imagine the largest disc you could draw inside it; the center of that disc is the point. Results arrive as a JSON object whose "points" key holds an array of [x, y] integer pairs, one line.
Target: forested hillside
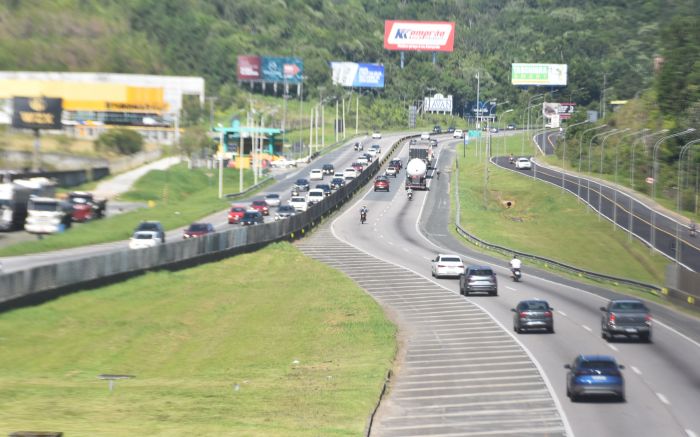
{"points": [[203, 37]]}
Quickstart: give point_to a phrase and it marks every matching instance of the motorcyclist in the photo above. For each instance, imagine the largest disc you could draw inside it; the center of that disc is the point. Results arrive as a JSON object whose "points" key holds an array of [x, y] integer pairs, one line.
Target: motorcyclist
{"points": [[409, 193], [515, 263], [511, 159], [363, 213], [438, 174]]}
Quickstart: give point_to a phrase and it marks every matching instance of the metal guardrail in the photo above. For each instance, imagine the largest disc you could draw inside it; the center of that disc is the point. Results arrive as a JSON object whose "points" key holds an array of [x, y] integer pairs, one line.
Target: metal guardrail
{"points": [[249, 189]]}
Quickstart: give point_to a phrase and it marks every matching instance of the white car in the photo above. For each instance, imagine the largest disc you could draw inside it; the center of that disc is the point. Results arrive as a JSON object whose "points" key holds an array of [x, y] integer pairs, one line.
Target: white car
{"points": [[447, 265], [283, 163], [523, 164], [391, 171], [376, 147], [458, 133], [362, 160], [425, 136], [299, 203], [315, 195], [376, 135], [144, 239], [316, 175], [338, 174], [372, 152], [349, 173], [272, 199]]}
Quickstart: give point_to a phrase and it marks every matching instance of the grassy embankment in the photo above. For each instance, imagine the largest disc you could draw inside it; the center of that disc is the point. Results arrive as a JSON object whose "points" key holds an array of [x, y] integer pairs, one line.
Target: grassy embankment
{"points": [[546, 221], [189, 337], [180, 196]]}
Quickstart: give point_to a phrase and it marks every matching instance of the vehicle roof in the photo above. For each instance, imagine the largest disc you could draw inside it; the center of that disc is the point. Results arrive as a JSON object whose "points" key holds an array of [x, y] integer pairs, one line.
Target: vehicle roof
{"points": [[272, 195], [450, 254], [315, 170], [597, 358], [626, 300]]}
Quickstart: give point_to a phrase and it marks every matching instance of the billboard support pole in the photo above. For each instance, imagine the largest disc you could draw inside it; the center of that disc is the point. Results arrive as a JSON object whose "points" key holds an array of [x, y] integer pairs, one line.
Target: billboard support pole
{"points": [[434, 58], [343, 117], [357, 113], [402, 59], [240, 161], [37, 147], [337, 126]]}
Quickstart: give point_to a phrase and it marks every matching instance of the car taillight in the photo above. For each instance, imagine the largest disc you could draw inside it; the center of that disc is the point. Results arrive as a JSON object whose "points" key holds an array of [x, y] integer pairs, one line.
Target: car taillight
{"points": [[548, 314], [611, 319], [647, 319], [523, 315]]}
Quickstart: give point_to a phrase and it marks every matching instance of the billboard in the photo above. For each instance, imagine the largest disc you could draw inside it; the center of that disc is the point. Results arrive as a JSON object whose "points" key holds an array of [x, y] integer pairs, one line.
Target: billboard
{"points": [[438, 103], [37, 113], [249, 67], [282, 69], [566, 110], [484, 109], [352, 74], [426, 36], [539, 74]]}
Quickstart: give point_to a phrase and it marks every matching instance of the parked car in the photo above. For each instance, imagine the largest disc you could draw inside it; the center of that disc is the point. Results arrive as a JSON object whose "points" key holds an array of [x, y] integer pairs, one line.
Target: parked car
{"points": [[425, 136], [626, 317], [350, 173], [381, 183], [272, 199], [198, 230], [478, 279], [315, 196], [285, 211], [325, 187], [235, 214], [458, 133], [152, 226], [144, 239], [523, 164], [337, 183], [252, 217], [302, 184], [533, 314], [283, 163], [299, 203], [316, 174], [446, 265], [328, 169], [261, 206], [391, 171], [594, 375], [376, 135]]}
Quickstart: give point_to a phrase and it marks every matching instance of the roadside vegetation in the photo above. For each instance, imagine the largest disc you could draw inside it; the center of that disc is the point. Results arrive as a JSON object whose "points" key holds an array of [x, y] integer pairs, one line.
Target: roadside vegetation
{"points": [[177, 197], [543, 220], [221, 349]]}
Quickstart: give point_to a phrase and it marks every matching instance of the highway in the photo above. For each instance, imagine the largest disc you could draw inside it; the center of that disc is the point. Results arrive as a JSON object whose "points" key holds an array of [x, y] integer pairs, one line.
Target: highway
{"points": [[663, 379]]}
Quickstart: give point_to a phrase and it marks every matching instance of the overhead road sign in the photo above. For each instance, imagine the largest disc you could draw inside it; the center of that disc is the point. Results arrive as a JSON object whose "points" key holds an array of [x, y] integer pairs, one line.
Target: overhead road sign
{"points": [[539, 74], [426, 36], [352, 74]]}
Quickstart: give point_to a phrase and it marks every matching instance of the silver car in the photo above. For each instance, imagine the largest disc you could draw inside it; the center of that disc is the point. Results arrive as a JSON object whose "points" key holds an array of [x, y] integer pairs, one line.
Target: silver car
{"points": [[533, 314], [478, 279]]}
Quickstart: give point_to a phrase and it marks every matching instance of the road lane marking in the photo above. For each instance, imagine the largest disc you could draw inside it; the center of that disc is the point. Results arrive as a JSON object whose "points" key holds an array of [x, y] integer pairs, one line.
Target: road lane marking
{"points": [[690, 433], [510, 288], [613, 347], [663, 398], [562, 313], [586, 328], [636, 370]]}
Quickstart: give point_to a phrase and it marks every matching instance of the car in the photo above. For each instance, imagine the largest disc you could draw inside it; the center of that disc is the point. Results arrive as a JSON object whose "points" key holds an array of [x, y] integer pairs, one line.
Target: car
{"points": [[302, 184], [523, 164], [450, 129], [511, 127], [479, 279], [350, 173], [458, 133], [198, 230], [446, 265], [381, 183], [412, 141], [377, 148], [359, 168], [316, 175], [363, 160], [594, 375], [328, 169], [338, 174], [252, 217], [533, 314], [376, 135], [396, 163], [433, 142], [152, 226], [261, 206], [325, 187], [626, 317], [144, 239], [437, 129], [369, 156], [391, 171], [484, 128], [285, 211], [315, 196], [494, 130], [272, 199], [425, 136], [372, 152], [357, 146], [337, 183], [299, 203], [235, 214], [283, 163]]}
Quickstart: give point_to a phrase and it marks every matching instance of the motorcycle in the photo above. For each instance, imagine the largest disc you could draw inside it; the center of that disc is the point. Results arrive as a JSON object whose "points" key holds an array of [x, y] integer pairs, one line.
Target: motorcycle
{"points": [[515, 274], [295, 191], [410, 195], [363, 217]]}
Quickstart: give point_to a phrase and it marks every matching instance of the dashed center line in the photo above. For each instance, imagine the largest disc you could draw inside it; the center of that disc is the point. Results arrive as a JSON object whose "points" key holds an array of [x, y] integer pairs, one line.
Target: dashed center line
{"points": [[510, 288], [613, 347], [663, 398], [636, 370], [690, 433], [562, 313]]}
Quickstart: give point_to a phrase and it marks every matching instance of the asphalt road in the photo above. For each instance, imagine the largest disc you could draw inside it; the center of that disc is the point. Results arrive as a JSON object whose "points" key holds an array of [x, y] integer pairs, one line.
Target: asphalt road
{"points": [[663, 379]]}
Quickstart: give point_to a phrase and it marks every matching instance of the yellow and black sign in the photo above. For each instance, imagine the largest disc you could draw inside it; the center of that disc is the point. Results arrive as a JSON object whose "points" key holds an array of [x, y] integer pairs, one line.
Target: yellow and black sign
{"points": [[36, 113]]}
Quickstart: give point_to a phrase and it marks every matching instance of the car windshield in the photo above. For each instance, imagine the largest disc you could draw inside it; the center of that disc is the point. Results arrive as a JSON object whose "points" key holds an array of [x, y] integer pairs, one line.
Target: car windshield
{"points": [[481, 272], [43, 206], [143, 236], [628, 306], [237, 209], [598, 365], [302, 181], [534, 306], [148, 227], [298, 199], [198, 227], [285, 208], [259, 202], [272, 196], [250, 215], [450, 259]]}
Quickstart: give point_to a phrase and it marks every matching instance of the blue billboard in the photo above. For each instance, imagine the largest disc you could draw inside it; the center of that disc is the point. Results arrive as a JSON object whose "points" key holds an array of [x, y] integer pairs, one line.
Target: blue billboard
{"points": [[282, 69], [352, 74]]}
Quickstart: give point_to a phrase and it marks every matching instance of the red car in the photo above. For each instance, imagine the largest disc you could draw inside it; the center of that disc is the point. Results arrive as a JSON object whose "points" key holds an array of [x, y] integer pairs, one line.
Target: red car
{"points": [[357, 166], [235, 214], [260, 206], [198, 230], [381, 183]]}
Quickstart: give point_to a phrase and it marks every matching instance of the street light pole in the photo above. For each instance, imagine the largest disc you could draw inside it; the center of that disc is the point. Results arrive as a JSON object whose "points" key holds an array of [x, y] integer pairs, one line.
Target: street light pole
{"points": [[684, 149], [590, 174], [600, 185], [580, 153], [563, 156]]}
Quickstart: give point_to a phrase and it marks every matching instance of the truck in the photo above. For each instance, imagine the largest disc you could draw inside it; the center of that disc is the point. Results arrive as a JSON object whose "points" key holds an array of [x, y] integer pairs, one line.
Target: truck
{"points": [[422, 151], [415, 174], [46, 215], [14, 197], [86, 207]]}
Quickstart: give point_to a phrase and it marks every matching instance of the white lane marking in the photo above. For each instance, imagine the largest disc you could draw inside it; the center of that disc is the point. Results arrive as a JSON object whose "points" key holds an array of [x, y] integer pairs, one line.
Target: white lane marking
{"points": [[613, 347], [390, 243], [510, 288], [690, 433], [562, 313], [587, 328], [663, 399], [636, 370]]}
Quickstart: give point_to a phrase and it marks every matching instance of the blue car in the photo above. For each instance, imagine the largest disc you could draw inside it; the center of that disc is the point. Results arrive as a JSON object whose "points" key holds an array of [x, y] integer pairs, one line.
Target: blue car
{"points": [[594, 375]]}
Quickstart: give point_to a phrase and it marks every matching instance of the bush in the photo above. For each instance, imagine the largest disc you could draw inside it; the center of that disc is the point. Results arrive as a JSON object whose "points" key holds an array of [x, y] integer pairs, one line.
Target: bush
{"points": [[123, 141]]}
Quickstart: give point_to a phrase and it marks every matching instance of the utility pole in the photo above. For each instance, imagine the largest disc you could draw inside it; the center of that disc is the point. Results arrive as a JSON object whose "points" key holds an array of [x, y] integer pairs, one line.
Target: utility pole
{"points": [[357, 113], [605, 77], [337, 125]]}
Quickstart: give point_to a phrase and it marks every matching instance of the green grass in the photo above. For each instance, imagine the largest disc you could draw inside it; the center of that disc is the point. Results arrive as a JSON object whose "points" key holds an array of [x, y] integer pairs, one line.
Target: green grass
{"points": [[188, 337], [179, 196], [547, 222]]}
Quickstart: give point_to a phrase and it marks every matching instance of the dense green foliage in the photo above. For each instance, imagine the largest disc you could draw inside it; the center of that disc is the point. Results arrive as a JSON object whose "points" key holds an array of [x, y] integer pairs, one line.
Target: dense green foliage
{"points": [[123, 141]]}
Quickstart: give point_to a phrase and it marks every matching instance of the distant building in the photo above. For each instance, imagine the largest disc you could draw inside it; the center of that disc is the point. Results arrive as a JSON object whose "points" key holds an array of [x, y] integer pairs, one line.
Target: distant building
{"points": [[95, 102]]}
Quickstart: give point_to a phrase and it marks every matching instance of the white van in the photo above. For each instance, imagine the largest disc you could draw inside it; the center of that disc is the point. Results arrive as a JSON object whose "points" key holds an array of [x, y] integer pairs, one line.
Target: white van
{"points": [[349, 173], [315, 196]]}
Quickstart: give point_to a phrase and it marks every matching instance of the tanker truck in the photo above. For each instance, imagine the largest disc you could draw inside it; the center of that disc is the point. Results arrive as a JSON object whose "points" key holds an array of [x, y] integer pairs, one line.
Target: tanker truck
{"points": [[415, 174]]}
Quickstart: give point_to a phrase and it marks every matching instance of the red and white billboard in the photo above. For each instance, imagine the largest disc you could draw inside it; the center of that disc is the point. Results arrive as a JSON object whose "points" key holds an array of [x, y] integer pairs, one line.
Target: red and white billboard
{"points": [[249, 68], [425, 36]]}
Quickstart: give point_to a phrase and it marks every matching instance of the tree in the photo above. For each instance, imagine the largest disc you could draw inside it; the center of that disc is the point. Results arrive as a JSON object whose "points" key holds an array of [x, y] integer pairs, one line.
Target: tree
{"points": [[122, 141]]}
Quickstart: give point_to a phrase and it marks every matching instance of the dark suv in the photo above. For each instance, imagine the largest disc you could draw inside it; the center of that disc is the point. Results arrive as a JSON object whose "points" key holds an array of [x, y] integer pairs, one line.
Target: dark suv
{"points": [[628, 317], [152, 226], [437, 129], [328, 169], [478, 278]]}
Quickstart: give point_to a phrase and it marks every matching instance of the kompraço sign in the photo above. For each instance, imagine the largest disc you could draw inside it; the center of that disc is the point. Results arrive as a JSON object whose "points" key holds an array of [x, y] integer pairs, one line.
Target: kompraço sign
{"points": [[428, 36]]}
